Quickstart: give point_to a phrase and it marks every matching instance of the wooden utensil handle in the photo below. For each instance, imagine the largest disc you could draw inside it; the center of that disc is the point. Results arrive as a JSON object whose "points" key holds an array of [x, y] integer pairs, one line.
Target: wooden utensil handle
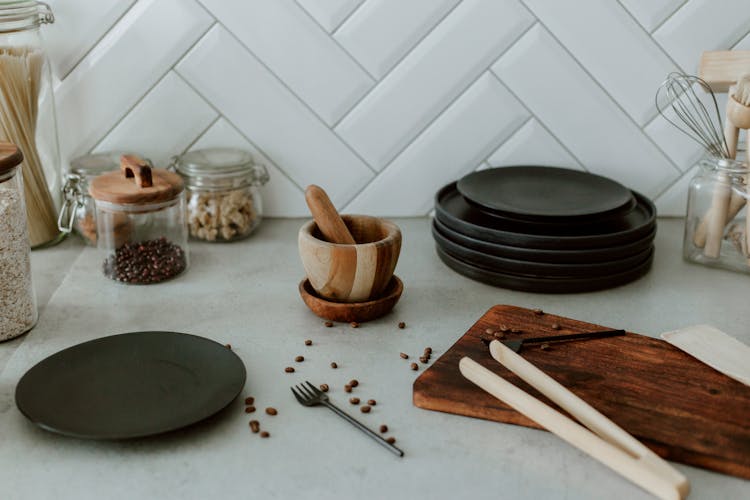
{"points": [[136, 168], [639, 472], [329, 221], [585, 413]]}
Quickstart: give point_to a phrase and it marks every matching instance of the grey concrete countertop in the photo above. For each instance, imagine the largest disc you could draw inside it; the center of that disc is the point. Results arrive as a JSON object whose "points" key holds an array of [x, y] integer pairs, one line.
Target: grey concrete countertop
{"points": [[246, 294]]}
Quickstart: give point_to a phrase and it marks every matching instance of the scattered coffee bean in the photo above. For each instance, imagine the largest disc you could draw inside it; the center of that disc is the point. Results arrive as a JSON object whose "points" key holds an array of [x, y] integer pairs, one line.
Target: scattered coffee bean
{"points": [[428, 350], [555, 326], [228, 346], [424, 359], [308, 342], [249, 400], [544, 346], [354, 382], [249, 409], [538, 312], [347, 388], [145, 262], [271, 411], [404, 355], [324, 387], [328, 324], [354, 324], [254, 425], [365, 409], [334, 365], [391, 440], [414, 366], [383, 429], [489, 331], [264, 434], [354, 401], [289, 369], [401, 325], [371, 402], [299, 359]]}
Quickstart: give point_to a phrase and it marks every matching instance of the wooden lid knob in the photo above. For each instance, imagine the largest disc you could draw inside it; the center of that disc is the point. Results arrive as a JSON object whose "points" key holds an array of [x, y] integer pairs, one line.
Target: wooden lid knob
{"points": [[136, 183]]}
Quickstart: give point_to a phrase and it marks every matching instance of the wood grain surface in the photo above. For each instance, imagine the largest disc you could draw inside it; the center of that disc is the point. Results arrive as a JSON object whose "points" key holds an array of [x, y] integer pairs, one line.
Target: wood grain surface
{"points": [[681, 408]]}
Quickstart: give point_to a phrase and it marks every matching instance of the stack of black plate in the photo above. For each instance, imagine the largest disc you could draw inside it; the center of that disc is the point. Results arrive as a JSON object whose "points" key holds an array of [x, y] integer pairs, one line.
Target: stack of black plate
{"points": [[544, 229]]}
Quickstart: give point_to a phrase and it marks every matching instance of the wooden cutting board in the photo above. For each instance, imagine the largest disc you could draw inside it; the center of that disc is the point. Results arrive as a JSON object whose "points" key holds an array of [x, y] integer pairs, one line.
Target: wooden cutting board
{"points": [[681, 408]]}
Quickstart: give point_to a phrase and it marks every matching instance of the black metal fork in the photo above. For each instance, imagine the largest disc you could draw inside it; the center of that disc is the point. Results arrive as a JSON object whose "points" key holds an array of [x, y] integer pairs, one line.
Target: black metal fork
{"points": [[309, 395]]}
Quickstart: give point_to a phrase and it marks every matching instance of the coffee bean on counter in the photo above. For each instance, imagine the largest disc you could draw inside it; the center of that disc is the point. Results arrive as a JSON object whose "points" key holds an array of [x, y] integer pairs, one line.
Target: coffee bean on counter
{"points": [[328, 324], [265, 434], [424, 359], [365, 409], [271, 411], [371, 402], [383, 429], [354, 324], [391, 440], [249, 400], [228, 346], [249, 409], [401, 325], [145, 262], [324, 387], [308, 342], [354, 382], [289, 369], [428, 350], [404, 355], [354, 401], [556, 326], [254, 425], [538, 312], [347, 388], [334, 365], [299, 359], [414, 366]]}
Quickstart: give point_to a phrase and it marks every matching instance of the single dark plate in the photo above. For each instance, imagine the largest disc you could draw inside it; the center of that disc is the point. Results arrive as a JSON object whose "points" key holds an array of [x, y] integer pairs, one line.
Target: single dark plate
{"points": [[538, 269], [544, 192], [453, 211], [605, 254], [130, 385], [543, 285]]}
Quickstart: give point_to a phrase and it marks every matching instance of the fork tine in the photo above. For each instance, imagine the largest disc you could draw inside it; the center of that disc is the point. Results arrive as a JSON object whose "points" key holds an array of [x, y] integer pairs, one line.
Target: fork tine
{"points": [[306, 391], [315, 390], [296, 395]]}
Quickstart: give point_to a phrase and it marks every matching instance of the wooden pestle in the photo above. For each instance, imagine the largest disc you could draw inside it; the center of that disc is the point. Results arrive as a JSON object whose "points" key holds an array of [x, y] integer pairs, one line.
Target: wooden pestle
{"points": [[326, 217]]}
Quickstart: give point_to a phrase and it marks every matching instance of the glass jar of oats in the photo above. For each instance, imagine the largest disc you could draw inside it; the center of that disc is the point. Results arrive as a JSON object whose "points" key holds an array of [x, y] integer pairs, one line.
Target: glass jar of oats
{"points": [[223, 192]]}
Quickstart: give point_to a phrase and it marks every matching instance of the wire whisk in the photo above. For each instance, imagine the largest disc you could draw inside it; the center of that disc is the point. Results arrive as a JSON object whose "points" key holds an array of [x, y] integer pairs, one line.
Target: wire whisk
{"points": [[701, 124]]}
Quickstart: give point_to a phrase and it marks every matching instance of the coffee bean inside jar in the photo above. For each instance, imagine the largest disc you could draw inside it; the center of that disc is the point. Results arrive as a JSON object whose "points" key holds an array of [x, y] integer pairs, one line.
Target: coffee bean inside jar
{"points": [[141, 226]]}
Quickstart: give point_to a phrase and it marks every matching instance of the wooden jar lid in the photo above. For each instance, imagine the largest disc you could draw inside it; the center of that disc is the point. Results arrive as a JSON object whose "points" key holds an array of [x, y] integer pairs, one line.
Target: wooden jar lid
{"points": [[136, 184], [10, 156]]}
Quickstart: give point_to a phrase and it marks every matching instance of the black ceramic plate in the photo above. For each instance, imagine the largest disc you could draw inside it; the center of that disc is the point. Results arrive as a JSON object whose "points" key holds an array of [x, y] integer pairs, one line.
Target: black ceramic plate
{"points": [[544, 192], [604, 254], [538, 269], [543, 285], [130, 385], [452, 210]]}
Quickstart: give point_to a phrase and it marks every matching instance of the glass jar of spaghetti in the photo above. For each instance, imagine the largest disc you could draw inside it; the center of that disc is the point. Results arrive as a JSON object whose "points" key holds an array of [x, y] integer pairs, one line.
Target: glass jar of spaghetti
{"points": [[27, 113]]}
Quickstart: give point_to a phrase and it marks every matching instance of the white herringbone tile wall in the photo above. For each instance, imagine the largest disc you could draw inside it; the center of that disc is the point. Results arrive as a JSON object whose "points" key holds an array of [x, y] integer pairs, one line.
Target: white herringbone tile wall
{"points": [[383, 101]]}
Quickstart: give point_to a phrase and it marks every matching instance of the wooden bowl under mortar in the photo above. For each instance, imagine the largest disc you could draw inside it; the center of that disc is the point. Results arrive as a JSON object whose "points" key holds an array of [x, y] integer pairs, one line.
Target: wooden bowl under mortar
{"points": [[351, 273]]}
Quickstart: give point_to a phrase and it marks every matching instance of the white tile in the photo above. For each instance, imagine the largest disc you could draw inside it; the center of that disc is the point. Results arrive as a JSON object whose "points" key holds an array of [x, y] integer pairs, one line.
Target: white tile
{"points": [[650, 13], [702, 25], [581, 115], [532, 145], [135, 54], [294, 47], [435, 72], [281, 197], [163, 124], [271, 116], [405, 23], [329, 13], [623, 59], [743, 44], [452, 146], [673, 202], [77, 27]]}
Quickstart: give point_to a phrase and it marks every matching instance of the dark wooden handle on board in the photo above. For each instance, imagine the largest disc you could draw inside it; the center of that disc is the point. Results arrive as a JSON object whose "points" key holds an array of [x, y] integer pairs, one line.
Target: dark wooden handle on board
{"points": [[136, 168], [326, 217]]}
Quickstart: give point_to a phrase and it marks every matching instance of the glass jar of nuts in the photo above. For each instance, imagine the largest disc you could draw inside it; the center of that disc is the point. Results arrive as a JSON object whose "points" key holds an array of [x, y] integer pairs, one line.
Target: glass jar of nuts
{"points": [[224, 202]]}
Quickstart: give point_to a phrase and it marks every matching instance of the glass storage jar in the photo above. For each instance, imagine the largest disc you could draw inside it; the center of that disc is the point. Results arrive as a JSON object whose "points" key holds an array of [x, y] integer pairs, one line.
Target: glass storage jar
{"points": [[27, 113], [223, 191], [140, 223], [78, 211], [716, 228], [18, 312]]}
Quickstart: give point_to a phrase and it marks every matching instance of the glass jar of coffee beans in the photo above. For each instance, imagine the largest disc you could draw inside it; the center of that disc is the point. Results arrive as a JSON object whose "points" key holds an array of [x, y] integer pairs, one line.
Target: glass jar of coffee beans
{"points": [[140, 222], [223, 193]]}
